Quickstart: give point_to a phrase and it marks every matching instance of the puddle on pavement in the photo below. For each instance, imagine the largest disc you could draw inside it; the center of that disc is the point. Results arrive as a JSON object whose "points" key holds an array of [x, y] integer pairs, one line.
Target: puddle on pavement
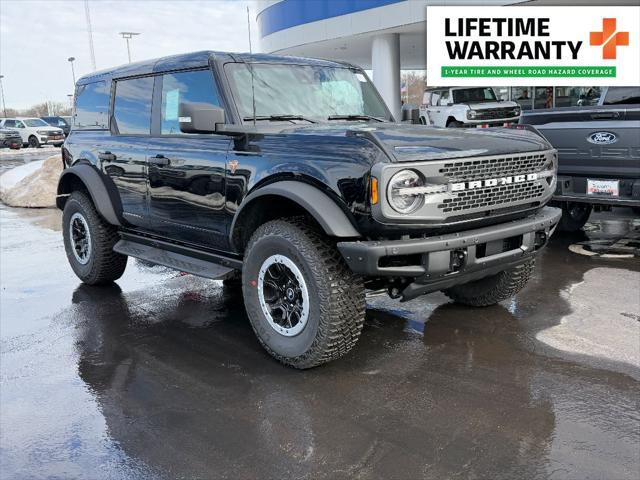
{"points": [[161, 376]]}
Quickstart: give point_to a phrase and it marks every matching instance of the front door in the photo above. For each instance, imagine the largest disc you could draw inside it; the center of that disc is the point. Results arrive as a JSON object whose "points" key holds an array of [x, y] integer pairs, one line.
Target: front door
{"points": [[187, 171]]}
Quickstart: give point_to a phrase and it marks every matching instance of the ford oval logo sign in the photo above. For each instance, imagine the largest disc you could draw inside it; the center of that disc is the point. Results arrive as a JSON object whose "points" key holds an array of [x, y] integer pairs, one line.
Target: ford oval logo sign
{"points": [[602, 138]]}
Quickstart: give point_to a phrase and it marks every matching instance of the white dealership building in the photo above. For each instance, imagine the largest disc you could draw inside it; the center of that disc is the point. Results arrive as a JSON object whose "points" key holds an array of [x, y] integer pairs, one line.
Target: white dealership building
{"points": [[385, 36]]}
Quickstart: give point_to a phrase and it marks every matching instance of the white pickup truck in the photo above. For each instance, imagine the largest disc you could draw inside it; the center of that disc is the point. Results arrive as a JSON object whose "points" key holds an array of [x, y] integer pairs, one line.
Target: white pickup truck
{"points": [[466, 107]]}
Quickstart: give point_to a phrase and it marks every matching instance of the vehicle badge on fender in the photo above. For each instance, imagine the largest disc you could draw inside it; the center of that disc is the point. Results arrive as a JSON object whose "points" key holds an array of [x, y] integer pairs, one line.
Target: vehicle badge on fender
{"points": [[602, 138]]}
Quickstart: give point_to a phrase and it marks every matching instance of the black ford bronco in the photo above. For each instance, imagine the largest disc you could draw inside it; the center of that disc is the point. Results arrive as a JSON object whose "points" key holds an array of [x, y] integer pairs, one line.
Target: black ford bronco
{"points": [[293, 172]]}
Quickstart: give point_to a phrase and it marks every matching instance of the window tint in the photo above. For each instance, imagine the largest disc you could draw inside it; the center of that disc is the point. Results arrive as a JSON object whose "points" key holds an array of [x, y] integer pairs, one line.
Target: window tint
{"points": [[9, 123], [195, 87], [132, 106], [92, 105], [622, 95]]}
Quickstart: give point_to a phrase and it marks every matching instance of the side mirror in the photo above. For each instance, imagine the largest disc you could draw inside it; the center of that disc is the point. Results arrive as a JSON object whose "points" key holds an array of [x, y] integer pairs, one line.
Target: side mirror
{"points": [[199, 117]]}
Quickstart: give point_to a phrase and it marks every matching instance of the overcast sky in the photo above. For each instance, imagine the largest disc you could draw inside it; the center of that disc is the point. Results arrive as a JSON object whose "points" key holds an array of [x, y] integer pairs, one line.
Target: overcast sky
{"points": [[37, 37]]}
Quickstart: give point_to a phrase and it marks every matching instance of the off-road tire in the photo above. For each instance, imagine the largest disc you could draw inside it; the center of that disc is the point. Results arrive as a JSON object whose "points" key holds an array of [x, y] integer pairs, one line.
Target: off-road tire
{"points": [[454, 124], [104, 265], [574, 216], [493, 289], [34, 142], [336, 295]]}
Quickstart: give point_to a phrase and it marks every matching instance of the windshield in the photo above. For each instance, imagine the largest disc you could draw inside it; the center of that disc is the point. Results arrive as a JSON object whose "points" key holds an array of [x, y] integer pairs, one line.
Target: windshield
{"points": [[474, 95], [315, 92], [35, 122]]}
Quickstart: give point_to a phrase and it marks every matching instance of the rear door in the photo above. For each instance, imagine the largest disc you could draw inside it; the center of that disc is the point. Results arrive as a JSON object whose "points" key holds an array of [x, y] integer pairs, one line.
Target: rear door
{"points": [[187, 171]]}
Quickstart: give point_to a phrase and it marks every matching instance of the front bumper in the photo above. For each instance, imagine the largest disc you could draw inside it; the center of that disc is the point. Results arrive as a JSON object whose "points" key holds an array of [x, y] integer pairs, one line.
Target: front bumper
{"points": [[439, 262], [12, 142]]}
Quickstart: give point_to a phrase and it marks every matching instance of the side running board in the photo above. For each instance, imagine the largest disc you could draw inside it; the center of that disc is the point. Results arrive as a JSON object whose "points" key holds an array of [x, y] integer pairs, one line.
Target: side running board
{"points": [[178, 261]]}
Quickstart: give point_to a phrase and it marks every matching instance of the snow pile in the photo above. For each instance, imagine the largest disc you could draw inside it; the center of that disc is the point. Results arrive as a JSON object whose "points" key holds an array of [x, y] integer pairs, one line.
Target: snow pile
{"points": [[32, 185]]}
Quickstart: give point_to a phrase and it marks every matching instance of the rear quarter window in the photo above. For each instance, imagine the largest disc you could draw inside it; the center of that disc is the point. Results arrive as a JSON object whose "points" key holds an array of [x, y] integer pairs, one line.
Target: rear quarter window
{"points": [[622, 96], [92, 106]]}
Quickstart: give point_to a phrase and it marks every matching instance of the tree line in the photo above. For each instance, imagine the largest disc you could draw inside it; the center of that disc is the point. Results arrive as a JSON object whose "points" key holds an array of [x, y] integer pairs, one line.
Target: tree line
{"points": [[44, 109]]}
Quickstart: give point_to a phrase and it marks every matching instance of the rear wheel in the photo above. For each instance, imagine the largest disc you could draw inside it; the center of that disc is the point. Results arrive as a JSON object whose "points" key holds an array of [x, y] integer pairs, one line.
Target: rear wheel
{"points": [[304, 304], [493, 289], [574, 216], [34, 142], [89, 241]]}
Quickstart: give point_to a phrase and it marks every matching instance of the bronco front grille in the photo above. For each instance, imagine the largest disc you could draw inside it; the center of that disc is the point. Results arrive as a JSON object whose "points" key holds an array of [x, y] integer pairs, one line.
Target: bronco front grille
{"points": [[492, 197], [469, 170], [491, 114]]}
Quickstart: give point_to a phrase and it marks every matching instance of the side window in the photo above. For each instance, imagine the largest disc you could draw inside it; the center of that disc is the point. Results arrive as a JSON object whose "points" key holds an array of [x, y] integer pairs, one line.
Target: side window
{"points": [[92, 106], [132, 106], [435, 98], [9, 123], [444, 98], [622, 96], [195, 87], [19, 124]]}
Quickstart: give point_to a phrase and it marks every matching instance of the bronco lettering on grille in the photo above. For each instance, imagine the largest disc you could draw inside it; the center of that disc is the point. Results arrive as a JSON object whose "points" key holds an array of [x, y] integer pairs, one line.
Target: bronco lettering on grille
{"points": [[492, 182]]}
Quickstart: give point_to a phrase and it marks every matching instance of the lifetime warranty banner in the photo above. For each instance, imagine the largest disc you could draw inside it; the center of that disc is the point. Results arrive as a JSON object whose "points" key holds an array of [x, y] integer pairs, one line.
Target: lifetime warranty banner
{"points": [[533, 46]]}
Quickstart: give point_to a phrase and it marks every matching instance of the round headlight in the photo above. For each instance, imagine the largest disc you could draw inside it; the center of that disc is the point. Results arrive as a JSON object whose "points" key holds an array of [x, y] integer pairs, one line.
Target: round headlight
{"points": [[471, 114], [399, 194]]}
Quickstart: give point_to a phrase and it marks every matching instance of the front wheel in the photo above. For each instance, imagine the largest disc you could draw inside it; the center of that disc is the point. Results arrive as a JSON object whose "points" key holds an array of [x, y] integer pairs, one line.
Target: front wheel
{"points": [[454, 124], [304, 304], [493, 289], [574, 216], [34, 142], [89, 241]]}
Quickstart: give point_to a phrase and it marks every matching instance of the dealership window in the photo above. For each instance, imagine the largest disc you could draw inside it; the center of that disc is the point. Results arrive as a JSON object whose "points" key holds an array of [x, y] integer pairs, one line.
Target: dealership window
{"points": [[502, 93], [523, 96], [576, 96], [543, 97], [132, 106], [194, 87], [92, 105]]}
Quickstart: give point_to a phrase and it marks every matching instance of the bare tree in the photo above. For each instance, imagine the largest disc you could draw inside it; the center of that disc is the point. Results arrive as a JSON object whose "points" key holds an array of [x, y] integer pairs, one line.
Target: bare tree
{"points": [[41, 110]]}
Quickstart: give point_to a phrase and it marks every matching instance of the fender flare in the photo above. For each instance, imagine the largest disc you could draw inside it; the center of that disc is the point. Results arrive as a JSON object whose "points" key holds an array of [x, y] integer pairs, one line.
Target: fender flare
{"points": [[320, 206], [105, 199]]}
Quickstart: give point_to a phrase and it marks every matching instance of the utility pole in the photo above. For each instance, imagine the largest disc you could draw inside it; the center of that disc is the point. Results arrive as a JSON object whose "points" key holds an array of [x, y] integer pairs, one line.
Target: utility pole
{"points": [[4, 106], [128, 36], [73, 72], [90, 32]]}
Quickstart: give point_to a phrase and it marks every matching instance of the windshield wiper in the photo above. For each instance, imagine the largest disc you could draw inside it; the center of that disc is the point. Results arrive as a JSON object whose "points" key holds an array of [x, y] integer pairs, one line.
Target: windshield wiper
{"points": [[354, 117], [277, 118]]}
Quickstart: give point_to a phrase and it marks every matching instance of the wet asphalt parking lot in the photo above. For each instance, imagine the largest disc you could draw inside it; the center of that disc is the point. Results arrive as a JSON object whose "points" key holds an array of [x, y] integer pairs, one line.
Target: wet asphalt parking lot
{"points": [[160, 376]]}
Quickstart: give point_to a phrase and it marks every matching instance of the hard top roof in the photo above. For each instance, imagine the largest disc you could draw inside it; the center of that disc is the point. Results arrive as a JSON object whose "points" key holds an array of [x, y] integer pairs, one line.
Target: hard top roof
{"points": [[198, 59]]}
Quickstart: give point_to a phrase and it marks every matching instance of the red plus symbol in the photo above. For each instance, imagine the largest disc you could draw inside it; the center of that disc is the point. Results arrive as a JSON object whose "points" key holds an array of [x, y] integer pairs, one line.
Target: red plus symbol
{"points": [[609, 38]]}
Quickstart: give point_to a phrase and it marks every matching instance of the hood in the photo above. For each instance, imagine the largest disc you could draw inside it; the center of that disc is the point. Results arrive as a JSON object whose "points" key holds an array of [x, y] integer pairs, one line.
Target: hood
{"points": [[404, 142]]}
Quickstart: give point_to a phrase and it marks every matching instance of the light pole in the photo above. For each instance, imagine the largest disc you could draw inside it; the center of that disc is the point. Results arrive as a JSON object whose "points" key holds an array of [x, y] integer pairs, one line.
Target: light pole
{"points": [[128, 36], [73, 72], [70, 95], [4, 106]]}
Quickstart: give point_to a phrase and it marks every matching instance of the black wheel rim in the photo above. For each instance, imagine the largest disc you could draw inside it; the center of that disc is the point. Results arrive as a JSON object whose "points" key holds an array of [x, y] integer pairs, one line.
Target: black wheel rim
{"points": [[283, 295], [80, 238]]}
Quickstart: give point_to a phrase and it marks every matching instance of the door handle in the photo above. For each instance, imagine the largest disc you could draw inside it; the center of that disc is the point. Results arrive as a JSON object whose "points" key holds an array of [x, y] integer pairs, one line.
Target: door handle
{"points": [[597, 116], [107, 157], [159, 160]]}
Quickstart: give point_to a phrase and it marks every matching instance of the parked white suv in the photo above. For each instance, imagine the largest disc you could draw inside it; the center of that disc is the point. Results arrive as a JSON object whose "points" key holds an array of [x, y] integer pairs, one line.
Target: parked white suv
{"points": [[466, 107], [34, 131]]}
